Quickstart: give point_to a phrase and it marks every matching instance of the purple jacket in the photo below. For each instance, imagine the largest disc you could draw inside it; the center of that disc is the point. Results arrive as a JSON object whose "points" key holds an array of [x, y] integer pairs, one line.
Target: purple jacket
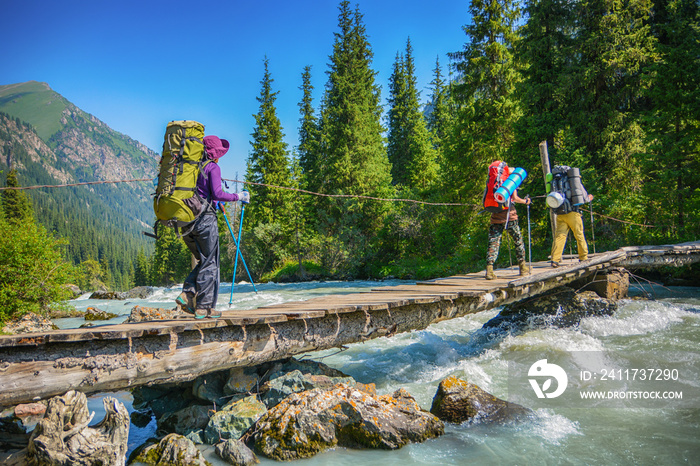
{"points": [[209, 184]]}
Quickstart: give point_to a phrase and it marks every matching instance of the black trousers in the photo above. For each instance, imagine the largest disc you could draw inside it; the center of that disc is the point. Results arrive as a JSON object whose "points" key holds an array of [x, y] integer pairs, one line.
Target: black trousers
{"points": [[203, 280]]}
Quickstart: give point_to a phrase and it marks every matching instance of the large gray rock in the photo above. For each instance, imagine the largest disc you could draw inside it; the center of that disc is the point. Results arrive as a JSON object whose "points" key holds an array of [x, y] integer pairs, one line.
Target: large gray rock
{"points": [[312, 421], [139, 292], [236, 453], [457, 401], [562, 307], [104, 294], [64, 438], [185, 421], [233, 420], [276, 390], [142, 314], [173, 449], [29, 323]]}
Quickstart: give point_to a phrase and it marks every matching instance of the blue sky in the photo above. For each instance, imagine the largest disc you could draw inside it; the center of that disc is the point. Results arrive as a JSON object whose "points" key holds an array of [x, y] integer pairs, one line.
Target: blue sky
{"points": [[138, 65]]}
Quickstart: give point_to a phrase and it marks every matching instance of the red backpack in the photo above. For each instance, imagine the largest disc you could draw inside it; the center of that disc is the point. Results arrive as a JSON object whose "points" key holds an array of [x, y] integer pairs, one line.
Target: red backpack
{"points": [[498, 173]]}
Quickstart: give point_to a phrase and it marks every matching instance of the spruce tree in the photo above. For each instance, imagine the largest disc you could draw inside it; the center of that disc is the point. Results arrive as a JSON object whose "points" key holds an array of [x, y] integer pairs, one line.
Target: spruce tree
{"points": [[353, 157], [268, 162], [440, 118], [397, 143], [16, 205], [309, 134], [673, 121], [611, 47], [171, 261], [269, 223], [409, 149], [486, 109], [546, 39], [485, 94]]}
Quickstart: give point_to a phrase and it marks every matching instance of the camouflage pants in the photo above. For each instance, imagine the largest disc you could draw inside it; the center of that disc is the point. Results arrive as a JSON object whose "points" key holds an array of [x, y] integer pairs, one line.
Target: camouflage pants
{"points": [[495, 233]]}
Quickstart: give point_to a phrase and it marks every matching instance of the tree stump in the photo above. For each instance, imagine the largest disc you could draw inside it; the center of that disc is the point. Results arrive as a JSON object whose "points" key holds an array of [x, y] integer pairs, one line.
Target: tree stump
{"points": [[64, 438]]}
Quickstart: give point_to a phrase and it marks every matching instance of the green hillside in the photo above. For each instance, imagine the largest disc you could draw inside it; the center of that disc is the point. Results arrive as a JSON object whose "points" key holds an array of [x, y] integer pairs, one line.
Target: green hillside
{"points": [[35, 103]]}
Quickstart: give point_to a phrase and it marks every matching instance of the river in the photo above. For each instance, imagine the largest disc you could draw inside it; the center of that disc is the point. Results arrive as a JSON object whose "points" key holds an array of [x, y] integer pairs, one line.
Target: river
{"points": [[644, 359]]}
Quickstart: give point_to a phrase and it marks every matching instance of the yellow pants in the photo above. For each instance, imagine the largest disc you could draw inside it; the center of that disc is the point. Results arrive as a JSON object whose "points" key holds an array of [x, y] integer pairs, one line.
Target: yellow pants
{"points": [[572, 221]]}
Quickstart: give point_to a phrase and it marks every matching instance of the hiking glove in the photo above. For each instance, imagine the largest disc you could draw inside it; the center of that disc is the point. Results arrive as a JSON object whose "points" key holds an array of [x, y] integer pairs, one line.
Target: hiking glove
{"points": [[244, 197]]}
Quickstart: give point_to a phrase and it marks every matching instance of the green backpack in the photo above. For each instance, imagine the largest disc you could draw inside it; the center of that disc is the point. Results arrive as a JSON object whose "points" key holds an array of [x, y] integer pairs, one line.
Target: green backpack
{"points": [[177, 203]]}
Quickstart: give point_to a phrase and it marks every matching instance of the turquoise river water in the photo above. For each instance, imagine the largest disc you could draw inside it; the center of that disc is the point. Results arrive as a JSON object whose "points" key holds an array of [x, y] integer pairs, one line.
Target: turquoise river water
{"points": [[643, 362]]}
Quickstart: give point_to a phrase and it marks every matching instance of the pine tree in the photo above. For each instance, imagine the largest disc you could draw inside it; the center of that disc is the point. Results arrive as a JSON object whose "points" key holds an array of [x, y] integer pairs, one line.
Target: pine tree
{"points": [[309, 134], [16, 205], [440, 118], [613, 43], [409, 149], [354, 160], [270, 224], [484, 93], [545, 64], [268, 162], [673, 121]]}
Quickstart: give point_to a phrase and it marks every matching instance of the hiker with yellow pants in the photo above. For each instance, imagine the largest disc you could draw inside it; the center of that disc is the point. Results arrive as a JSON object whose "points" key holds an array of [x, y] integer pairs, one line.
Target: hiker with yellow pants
{"points": [[566, 194], [565, 222]]}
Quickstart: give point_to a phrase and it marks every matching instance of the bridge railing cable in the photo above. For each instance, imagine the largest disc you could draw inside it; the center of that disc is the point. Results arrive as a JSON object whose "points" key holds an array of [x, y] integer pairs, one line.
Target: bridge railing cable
{"points": [[303, 191]]}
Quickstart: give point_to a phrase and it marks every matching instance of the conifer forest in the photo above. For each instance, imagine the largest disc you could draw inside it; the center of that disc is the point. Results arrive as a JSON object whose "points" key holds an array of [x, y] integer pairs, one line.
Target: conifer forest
{"points": [[612, 87]]}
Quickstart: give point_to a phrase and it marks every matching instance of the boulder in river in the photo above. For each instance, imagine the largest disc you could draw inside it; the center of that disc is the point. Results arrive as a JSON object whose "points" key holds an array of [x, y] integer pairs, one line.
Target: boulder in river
{"points": [[309, 422], [236, 452], [143, 314], [29, 323], [173, 449], [458, 401], [92, 313], [139, 292], [561, 307]]}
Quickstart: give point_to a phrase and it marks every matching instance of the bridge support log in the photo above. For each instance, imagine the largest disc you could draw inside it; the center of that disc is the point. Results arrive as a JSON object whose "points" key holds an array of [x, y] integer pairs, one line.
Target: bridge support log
{"points": [[610, 283]]}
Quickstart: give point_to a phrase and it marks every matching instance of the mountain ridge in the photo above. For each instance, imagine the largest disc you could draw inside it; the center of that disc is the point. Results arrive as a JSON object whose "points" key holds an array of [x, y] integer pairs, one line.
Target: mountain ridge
{"points": [[50, 141]]}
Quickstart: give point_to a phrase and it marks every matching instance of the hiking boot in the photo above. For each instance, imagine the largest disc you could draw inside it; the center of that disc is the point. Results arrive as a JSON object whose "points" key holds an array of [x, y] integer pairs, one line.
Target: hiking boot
{"points": [[524, 269], [489, 273], [186, 302], [211, 313]]}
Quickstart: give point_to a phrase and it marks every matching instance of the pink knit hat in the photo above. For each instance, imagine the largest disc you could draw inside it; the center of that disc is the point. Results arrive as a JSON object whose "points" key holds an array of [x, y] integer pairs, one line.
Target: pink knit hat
{"points": [[216, 148]]}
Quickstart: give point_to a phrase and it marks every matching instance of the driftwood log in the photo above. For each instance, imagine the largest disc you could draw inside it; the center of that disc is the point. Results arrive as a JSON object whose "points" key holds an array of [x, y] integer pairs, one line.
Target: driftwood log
{"points": [[64, 438]]}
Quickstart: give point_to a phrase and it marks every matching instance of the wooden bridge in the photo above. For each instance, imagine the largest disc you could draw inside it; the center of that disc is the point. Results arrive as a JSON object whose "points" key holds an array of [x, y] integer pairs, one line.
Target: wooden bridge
{"points": [[117, 357]]}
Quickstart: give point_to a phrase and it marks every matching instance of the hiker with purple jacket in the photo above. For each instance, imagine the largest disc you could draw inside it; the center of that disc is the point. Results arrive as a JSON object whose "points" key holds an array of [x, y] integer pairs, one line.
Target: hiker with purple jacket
{"points": [[200, 290]]}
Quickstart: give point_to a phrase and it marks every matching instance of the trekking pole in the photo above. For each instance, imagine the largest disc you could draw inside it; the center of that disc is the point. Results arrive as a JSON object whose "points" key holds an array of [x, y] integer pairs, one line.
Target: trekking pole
{"points": [[529, 237], [238, 251], [590, 208]]}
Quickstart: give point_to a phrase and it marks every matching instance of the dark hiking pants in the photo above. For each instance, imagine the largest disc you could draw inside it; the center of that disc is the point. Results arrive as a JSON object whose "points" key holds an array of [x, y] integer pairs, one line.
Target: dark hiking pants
{"points": [[203, 280]]}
